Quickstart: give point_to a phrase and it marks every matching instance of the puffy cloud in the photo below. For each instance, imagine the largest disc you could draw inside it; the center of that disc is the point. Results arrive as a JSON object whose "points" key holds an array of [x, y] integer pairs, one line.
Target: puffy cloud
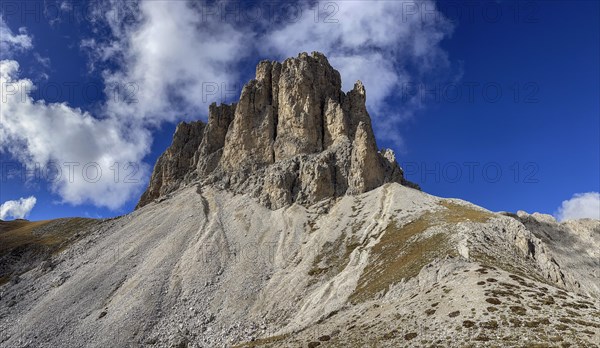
{"points": [[388, 45], [580, 206], [167, 61], [18, 209], [11, 42], [81, 152], [174, 60], [166, 57]]}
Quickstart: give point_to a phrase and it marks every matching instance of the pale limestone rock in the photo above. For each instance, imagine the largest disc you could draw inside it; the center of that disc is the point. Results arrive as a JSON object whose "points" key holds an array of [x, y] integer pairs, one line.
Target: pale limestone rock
{"points": [[211, 148], [299, 273], [547, 218], [366, 172], [305, 85], [249, 141], [336, 124], [173, 165], [522, 213], [317, 178], [357, 99], [294, 136]]}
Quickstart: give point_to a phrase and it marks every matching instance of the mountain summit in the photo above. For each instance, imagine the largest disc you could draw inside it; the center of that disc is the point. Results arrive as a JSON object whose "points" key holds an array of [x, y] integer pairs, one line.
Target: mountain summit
{"points": [[294, 136], [209, 260]]}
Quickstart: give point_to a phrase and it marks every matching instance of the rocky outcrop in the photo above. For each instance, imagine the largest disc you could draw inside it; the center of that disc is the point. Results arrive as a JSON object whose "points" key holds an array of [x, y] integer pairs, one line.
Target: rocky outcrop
{"points": [[207, 158], [174, 164], [294, 136], [565, 252]]}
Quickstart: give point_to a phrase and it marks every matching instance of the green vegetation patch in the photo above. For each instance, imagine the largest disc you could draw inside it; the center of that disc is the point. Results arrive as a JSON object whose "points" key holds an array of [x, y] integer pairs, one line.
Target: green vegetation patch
{"points": [[48, 233], [4, 280], [334, 256], [518, 310], [262, 341], [409, 336], [490, 325], [401, 252], [468, 323], [493, 301], [34, 242]]}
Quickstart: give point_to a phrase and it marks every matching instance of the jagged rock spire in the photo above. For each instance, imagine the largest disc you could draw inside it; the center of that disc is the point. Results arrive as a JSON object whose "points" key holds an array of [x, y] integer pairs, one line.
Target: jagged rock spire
{"points": [[294, 136]]}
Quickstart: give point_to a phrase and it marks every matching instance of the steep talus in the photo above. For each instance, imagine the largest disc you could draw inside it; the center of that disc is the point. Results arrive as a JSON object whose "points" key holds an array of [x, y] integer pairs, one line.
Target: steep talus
{"points": [[293, 136], [206, 268]]}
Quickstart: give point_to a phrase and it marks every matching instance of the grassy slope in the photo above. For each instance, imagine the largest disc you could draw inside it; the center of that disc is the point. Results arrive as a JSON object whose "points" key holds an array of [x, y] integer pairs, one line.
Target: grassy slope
{"points": [[36, 240]]}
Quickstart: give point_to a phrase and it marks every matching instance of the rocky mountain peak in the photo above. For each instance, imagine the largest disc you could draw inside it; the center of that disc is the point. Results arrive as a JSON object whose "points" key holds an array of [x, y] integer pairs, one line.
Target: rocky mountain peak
{"points": [[293, 136]]}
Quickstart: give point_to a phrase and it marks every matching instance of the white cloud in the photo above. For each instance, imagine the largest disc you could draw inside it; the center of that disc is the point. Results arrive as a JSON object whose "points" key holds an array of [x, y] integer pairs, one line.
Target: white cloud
{"points": [[581, 205], [385, 44], [36, 132], [172, 56], [167, 54], [164, 57], [66, 6], [11, 42], [44, 61], [18, 209]]}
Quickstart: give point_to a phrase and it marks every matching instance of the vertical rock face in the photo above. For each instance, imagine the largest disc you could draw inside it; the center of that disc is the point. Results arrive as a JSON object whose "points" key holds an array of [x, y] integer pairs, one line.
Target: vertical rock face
{"points": [[306, 85], [173, 165], [294, 136], [207, 158]]}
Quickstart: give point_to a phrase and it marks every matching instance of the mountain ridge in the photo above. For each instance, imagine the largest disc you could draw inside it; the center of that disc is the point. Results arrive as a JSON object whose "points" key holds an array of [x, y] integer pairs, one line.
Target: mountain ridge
{"points": [[396, 266]]}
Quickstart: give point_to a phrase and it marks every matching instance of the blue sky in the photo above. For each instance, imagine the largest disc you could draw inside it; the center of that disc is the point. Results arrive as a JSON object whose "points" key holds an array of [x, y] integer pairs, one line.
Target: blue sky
{"points": [[493, 102]]}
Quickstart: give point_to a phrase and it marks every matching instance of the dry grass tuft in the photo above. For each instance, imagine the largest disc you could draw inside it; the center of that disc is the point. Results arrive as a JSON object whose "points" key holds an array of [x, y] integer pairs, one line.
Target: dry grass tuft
{"points": [[262, 341], [334, 257], [402, 252], [27, 243], [48, 233]]}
